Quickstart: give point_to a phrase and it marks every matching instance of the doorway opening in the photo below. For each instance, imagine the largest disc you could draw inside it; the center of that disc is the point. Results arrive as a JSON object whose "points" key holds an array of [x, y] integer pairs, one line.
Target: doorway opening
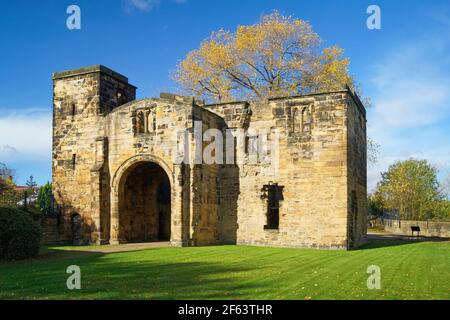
{"points": [[145, 204]]}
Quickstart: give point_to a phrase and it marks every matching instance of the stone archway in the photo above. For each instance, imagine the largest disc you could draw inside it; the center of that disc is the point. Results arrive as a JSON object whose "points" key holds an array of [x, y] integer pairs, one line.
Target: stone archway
{"points": [[178, 226], [142, 208], [144, 204]]}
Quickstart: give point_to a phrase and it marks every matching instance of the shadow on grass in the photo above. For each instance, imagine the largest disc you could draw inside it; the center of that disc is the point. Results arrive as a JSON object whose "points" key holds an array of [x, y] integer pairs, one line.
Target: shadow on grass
{"points": [[179, 280], [376, 241], [107, 277]]}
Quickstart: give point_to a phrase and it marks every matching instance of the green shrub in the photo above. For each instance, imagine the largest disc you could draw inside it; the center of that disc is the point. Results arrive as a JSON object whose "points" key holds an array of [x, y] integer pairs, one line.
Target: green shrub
{"points": [[44, 199], [20, 235]]}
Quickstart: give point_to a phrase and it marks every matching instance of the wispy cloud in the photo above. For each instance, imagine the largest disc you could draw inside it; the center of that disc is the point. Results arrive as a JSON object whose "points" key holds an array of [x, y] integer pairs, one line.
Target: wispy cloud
{"points": [[412, 105], [440, 14], [143, 5], [146, 5], [27, 134]]}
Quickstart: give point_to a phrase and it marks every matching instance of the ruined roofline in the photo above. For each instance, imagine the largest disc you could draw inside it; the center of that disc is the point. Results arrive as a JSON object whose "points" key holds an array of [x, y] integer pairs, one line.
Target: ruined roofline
{"points": [[98, 68], [225, 103], [173, 97], [312, 94], [348, 90], [187, 102]]}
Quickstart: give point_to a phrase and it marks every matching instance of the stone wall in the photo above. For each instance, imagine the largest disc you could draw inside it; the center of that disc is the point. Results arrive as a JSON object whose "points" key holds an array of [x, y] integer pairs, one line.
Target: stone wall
{"points": [[356, 171], [315, 156], [204, 182], [49, 225], [320, 166], [81, 98], [439, 229]]}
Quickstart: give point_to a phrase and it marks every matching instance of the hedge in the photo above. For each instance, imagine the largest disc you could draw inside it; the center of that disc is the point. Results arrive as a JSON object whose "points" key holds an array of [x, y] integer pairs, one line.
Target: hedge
{"points": [[20, 235]]}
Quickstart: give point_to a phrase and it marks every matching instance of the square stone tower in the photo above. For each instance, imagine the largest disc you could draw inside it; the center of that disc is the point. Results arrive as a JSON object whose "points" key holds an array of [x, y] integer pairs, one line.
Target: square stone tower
{"points": [[81, 99]]}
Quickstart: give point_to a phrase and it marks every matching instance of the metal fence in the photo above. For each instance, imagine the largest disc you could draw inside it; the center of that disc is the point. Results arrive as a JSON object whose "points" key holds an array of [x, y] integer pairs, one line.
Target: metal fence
{"points": [[23, 200]]}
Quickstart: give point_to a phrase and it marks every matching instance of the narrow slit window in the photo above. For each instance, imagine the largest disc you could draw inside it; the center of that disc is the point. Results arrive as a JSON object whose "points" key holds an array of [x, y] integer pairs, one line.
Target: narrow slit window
{"points": [[246, 144], [306, 120], [153, 124], [74, 161], [74, 110], [296, 121]]}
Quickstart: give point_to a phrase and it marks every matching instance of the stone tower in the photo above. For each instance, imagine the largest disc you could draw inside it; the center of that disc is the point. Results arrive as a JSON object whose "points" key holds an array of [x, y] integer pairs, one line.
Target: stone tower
{"points": [[81, 99]]}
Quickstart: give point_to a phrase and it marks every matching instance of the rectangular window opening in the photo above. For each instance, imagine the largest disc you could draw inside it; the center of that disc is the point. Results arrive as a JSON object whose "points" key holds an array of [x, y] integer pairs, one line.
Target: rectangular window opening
{"points": [[251, 145], [274, 194]]}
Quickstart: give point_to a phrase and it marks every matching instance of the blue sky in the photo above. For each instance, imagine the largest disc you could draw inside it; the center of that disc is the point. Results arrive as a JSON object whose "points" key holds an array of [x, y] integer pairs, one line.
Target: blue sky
{"points": [[404, 67]]}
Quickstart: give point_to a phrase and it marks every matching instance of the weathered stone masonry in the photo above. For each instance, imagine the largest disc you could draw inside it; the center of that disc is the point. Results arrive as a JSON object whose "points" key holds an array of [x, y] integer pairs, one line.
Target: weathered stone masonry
{"points": [[115, 179]]}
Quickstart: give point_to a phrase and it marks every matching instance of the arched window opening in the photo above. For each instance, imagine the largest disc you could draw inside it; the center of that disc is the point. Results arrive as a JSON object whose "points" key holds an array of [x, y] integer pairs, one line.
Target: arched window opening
{"points": [[301, 120], [140, 122]]}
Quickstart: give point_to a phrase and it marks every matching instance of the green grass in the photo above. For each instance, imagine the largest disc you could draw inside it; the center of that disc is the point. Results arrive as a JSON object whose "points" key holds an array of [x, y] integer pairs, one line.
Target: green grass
{"points": [[409, 271]]}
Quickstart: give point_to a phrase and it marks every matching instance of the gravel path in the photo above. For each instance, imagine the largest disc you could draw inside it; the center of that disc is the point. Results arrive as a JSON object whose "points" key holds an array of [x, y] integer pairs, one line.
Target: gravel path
{"points": [[123, 247]]}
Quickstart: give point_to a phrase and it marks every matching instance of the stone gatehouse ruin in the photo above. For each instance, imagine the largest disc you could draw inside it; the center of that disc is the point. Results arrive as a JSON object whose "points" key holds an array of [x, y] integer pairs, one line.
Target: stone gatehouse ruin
{"points": [[120, 175]]}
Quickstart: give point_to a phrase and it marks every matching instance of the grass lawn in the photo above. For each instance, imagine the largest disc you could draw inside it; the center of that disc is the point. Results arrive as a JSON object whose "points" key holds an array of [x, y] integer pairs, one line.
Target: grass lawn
{"points": [[408, 271]]}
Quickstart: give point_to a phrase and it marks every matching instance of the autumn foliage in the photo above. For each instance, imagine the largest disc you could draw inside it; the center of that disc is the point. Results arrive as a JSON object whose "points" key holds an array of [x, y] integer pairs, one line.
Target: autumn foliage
{"points": [[410, 190], [278, 56]]}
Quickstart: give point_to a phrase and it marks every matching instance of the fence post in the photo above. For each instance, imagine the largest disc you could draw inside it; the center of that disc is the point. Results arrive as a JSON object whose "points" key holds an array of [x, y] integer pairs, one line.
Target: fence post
{"points": [[25, 200]]}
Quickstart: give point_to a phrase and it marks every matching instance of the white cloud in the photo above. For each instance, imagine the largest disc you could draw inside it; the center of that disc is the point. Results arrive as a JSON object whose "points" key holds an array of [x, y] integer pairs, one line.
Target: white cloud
{"points": [[25, 134], [146, 5], [142, 5], [411, 113], [411, 90]]}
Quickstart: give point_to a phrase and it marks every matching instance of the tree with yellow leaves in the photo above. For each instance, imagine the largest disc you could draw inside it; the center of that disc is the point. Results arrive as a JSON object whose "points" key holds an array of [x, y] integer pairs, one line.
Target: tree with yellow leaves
{"points": [[278, 56], [411, 189]]}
